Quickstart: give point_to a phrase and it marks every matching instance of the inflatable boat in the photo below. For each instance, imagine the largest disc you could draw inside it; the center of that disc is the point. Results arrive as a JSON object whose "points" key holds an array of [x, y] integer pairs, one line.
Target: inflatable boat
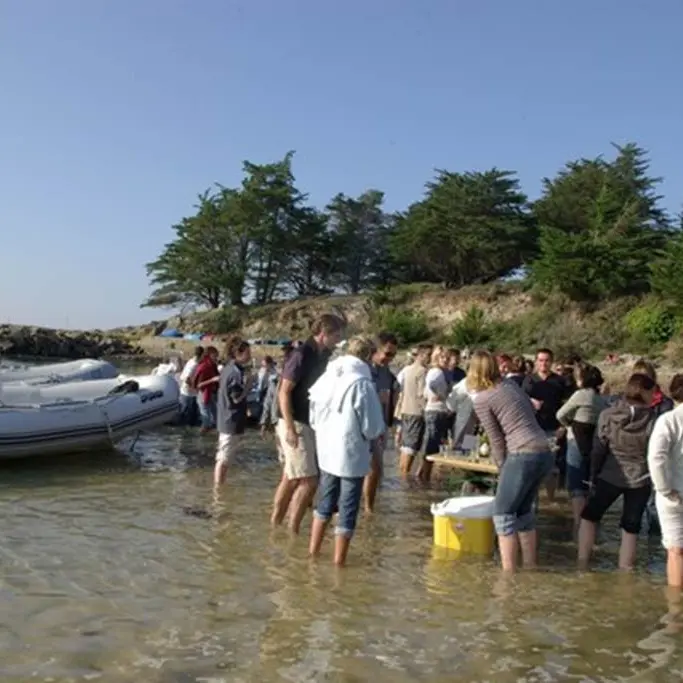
{"points": [[66, 418], [58, 373]]}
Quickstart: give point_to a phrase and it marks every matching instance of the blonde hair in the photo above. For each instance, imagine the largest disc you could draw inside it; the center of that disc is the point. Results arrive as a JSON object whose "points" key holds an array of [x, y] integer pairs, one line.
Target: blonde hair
{"points": [[361, 347], [483, 372], [439, 354]]}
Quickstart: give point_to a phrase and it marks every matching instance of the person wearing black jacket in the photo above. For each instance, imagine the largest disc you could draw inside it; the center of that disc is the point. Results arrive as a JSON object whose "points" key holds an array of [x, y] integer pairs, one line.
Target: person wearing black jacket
{"points": [[619, 468], [547, 391]]}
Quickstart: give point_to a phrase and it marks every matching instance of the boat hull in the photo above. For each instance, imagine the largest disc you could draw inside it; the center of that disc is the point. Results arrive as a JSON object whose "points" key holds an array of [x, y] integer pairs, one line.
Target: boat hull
{"points": [[58, 373], [81, 416]]}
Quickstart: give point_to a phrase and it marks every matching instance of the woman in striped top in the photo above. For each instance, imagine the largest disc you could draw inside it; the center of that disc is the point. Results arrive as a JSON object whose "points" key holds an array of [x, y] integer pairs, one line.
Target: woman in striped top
{"points": [[521, 450]]}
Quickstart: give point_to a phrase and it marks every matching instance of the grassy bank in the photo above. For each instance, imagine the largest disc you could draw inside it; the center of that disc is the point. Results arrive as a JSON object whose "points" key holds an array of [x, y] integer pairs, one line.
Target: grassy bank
{"points": [[499, 316]]}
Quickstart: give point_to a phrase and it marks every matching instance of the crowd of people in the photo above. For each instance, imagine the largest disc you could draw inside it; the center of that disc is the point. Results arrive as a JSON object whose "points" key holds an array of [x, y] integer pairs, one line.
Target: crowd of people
{"points": [[546, 425]]}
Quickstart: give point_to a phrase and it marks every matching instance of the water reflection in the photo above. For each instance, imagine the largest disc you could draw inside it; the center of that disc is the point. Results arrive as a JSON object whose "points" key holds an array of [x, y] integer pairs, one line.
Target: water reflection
{"points": [[108, 574]]}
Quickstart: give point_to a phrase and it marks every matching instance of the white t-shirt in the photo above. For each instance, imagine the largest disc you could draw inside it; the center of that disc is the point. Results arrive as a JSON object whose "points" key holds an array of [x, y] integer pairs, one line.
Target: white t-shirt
{"points": [[400, 378], [436, 390], [185, 388]]}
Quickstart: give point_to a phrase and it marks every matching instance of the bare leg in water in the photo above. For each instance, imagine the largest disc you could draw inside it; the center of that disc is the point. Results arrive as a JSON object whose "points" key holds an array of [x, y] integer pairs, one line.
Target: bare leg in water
{"points": [[318, 528], [301, 501], [508, 547], [283, 497], [372, 481], [674, 567]]}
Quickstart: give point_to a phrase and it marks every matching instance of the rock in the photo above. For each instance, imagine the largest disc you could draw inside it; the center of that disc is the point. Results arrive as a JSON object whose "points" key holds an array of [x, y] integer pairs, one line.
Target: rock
{"points": [[16, 340]]}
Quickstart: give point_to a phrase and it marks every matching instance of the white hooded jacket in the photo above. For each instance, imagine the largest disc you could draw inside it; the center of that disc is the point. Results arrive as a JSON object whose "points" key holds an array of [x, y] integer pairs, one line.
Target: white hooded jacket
{"points": [[346, 414]]}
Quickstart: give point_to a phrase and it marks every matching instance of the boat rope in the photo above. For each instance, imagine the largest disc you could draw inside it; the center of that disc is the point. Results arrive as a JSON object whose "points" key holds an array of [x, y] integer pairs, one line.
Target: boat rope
{"points": [[135, 440], [105, 415]]}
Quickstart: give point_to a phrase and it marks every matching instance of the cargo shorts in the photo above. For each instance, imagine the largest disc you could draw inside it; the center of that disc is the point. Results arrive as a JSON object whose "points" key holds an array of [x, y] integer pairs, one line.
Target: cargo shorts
{"points": [[300, 461]]}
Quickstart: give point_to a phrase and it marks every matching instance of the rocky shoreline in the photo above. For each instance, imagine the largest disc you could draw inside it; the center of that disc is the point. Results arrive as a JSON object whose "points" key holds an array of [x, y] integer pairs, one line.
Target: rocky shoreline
{"points": [[40, 342]]}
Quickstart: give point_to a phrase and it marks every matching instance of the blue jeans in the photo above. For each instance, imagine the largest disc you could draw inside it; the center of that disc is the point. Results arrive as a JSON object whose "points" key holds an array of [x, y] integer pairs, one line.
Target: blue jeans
{"points": [[189, 413], [520, 479], [436, 430], [341, 495], [578, 471], [207, 411]]}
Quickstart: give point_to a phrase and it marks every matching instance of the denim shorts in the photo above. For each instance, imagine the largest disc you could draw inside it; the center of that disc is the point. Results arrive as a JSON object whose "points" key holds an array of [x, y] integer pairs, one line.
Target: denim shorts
{"points": [[207, 411], [436, 429], [341, 495], [520, 478], [578, 471]]}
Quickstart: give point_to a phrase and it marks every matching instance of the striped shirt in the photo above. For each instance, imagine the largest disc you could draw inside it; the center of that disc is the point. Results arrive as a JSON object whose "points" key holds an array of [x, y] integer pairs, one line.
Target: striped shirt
{"points": [[507, 416]]}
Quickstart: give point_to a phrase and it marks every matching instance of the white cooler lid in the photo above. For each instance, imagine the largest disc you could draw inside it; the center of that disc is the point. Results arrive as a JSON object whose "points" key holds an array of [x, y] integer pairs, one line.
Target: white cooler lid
{"points": [[469, 507]]}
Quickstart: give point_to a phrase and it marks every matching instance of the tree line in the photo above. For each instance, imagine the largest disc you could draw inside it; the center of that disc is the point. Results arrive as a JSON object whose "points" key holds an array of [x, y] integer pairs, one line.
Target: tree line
{"points": [[598, 230]]}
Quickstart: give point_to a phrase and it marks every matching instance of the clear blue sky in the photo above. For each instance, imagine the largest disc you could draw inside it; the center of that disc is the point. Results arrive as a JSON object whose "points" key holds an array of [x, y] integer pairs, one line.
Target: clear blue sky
{"points": [[115, 114]]}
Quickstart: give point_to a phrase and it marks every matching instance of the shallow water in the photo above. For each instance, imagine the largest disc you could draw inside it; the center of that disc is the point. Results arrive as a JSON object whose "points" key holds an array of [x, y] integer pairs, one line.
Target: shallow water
{"points": [[105, 576]]}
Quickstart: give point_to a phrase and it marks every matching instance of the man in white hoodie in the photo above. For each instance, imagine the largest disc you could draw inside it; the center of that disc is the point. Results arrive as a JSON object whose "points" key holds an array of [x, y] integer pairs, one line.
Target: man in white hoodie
{"points": [[346, 415]]}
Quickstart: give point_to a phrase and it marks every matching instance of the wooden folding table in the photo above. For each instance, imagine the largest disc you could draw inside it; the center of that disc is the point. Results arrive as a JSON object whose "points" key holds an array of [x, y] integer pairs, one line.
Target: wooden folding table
{"points": [[467, 463]]}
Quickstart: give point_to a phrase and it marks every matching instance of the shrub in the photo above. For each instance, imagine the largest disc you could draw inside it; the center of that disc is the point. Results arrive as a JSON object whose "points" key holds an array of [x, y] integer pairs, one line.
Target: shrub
{"points": [[673, 352], [666, 276], [409, 326], [473, 330], [222, 321], [382, 297], [563, 328], [653, 323]]}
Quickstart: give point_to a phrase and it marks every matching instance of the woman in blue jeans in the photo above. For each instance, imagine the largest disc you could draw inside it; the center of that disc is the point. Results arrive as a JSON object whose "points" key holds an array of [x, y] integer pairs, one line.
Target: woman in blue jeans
{"points": [[346, 415], [521, 450]]}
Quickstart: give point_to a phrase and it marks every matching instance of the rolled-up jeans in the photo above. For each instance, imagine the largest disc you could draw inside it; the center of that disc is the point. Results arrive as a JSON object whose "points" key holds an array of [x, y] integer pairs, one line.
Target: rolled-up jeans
{"points": [[341, 495], [521, 476]]}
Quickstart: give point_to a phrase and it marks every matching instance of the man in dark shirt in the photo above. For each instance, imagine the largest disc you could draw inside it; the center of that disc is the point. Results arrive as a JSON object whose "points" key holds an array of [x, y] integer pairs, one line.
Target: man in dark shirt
{"points": [[296, 439], [547, 391], [234, 386], [386, 385]]}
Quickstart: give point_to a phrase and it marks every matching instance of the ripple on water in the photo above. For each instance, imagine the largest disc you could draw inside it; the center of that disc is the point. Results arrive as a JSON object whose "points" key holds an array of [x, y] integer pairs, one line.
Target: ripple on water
{"points": [[109, 575]]}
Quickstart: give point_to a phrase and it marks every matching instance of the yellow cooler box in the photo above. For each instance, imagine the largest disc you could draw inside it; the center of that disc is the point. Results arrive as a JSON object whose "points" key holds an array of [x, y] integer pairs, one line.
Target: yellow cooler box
{"points": [[465, 524]]}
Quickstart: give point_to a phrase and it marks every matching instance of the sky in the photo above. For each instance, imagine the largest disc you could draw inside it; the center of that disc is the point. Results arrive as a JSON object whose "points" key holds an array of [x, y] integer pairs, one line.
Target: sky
{"points": [[114, 115]]}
